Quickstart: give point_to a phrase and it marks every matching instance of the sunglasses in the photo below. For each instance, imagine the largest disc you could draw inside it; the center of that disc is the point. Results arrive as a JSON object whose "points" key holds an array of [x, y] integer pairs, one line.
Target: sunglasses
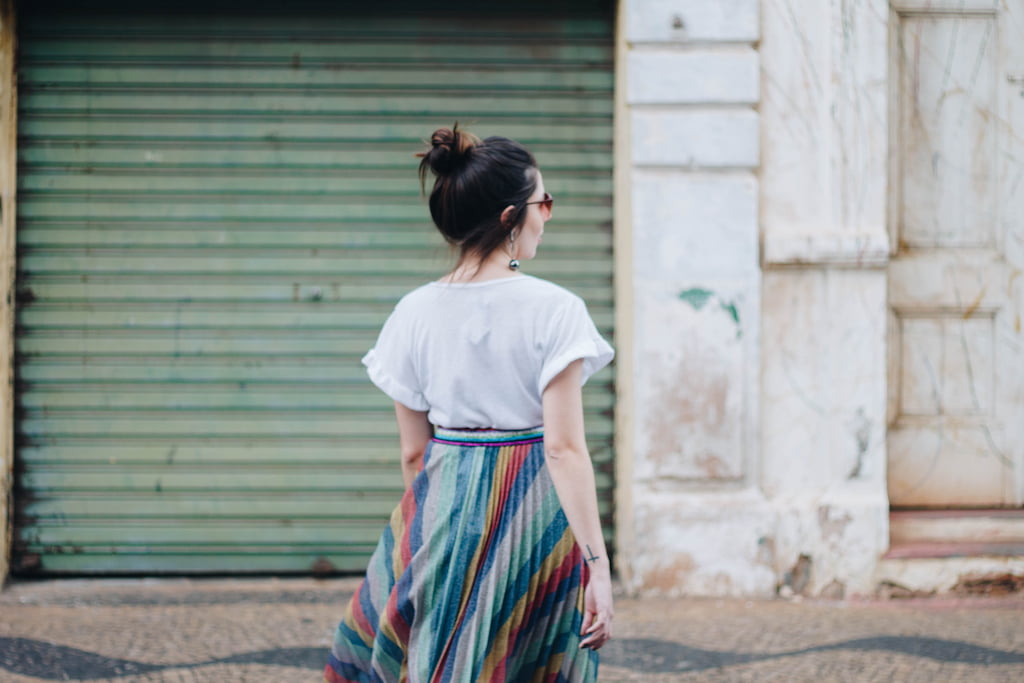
{"points": [[546, 202]]}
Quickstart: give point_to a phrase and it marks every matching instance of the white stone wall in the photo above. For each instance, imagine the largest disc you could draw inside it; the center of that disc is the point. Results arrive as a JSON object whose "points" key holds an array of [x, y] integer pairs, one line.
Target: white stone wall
{"points": [[756, 410], [823, 217], [697, 522]]}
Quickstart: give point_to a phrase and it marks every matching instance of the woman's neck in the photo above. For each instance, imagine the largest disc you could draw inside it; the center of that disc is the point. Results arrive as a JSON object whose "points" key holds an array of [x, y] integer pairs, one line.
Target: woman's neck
{"points": [[473, 269]]}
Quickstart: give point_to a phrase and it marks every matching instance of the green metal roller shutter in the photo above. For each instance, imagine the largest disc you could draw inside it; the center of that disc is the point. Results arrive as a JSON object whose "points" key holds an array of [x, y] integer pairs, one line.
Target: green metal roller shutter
{"points": [[217, 212]]}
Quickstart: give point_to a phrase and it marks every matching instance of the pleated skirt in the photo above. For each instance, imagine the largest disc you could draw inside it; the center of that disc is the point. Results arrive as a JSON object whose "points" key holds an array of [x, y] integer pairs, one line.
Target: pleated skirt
{"points": [[476, 578]]}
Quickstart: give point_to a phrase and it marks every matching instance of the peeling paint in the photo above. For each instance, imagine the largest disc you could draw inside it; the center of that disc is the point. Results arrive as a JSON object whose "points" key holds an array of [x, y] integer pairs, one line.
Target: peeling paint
{"points": [[832, 527], [670, 577], [730, 308], [691, 428], [797, 578], [698, 298], [836, 590], [1005, 583], [891, 590], [714, 466]]}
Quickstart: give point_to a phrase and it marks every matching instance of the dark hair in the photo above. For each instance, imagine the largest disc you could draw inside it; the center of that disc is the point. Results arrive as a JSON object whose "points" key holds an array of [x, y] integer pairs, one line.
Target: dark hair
{"points": [[475, 181]]}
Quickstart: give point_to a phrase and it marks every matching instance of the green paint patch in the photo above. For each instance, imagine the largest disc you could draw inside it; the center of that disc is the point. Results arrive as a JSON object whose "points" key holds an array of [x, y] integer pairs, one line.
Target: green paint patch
{"points": [[730, 308], [696, 297], [699, 297]]}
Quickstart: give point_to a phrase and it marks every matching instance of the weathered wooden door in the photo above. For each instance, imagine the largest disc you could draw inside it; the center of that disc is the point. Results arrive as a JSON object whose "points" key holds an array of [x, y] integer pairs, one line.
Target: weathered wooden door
{"points": [[956, 397]]}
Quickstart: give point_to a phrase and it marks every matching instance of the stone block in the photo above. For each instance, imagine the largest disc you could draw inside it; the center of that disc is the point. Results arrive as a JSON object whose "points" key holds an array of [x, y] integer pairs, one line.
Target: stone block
{"points": [[700, 225], [681, 21], [693, 380], [824, 114], [823, 380], [713, 77], [839, 536], [696, 139], [830, 248], [708, 544]]}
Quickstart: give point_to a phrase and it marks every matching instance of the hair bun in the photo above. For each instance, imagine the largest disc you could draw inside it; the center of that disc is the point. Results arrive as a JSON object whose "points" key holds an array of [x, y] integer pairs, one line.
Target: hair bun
{"points": [[449, 148]]}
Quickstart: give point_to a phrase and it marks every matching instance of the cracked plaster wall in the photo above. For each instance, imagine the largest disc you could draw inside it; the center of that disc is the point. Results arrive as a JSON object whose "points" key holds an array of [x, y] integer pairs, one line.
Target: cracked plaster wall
{"points": [[692, 88], [757, 193], [823, 221]]}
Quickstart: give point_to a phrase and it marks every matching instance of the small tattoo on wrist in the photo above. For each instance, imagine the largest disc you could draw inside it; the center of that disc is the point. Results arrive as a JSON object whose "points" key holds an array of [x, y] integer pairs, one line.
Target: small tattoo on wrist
{"points": [[593, 557]]}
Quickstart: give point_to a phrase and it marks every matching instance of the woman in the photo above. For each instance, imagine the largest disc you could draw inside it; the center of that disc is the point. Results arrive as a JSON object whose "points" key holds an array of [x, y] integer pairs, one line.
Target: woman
{"points": [[493, 567]]}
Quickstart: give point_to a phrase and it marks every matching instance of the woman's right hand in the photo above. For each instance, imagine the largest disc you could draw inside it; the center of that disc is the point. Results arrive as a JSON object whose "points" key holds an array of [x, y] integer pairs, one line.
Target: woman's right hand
{"points": [[597, 608]]}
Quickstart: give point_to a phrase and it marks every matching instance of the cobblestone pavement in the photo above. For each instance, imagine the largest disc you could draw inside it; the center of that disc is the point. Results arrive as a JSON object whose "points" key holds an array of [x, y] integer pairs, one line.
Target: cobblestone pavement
{"points": [[278, 630]]}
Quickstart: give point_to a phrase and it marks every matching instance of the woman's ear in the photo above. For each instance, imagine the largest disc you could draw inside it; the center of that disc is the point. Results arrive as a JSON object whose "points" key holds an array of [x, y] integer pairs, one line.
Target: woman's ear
{"points": [[506, 215]]}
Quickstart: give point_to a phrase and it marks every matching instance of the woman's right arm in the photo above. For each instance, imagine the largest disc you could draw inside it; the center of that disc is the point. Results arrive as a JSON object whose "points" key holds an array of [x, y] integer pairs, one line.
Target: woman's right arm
{"points": [[568, 461]]}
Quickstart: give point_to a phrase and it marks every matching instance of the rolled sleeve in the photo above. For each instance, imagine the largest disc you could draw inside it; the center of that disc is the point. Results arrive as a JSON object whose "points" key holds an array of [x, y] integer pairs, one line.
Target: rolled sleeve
{"points": [[391, 384], [390, 362], [573, 337]]}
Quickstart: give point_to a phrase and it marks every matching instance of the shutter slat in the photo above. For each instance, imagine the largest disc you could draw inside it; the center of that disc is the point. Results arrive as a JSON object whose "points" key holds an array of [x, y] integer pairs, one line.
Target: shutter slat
{"points": [[252, 157]]}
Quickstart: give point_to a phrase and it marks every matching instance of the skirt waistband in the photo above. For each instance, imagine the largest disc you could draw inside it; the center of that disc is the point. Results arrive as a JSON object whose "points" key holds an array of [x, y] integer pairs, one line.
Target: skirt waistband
{"points": [[487, 437]]}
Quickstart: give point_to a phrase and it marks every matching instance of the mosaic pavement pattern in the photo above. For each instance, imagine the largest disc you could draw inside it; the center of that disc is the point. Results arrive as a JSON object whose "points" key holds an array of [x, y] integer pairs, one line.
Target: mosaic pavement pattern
{"points": [[278, 630]]}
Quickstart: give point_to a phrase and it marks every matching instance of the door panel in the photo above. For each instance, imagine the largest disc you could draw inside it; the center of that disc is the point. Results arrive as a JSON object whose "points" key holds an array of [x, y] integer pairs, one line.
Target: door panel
{"points": [[957, 363], [947, 94]]}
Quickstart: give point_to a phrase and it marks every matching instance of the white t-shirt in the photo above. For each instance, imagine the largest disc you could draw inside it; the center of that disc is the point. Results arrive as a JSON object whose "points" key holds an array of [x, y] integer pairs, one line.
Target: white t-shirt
{"points": [[479, 354]]}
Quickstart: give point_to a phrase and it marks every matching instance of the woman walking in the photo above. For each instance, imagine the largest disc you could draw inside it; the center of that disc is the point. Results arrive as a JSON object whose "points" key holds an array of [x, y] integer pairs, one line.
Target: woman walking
{"points": [[493, 566]]}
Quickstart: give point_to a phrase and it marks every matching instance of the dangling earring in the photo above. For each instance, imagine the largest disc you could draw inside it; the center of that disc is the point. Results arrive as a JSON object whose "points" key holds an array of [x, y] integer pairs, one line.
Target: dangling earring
{"points": [[513, 263]]}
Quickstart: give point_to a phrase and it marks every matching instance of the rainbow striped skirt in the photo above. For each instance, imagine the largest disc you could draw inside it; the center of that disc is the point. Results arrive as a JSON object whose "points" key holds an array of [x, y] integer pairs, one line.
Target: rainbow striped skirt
{"points": [[476, 578]]}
